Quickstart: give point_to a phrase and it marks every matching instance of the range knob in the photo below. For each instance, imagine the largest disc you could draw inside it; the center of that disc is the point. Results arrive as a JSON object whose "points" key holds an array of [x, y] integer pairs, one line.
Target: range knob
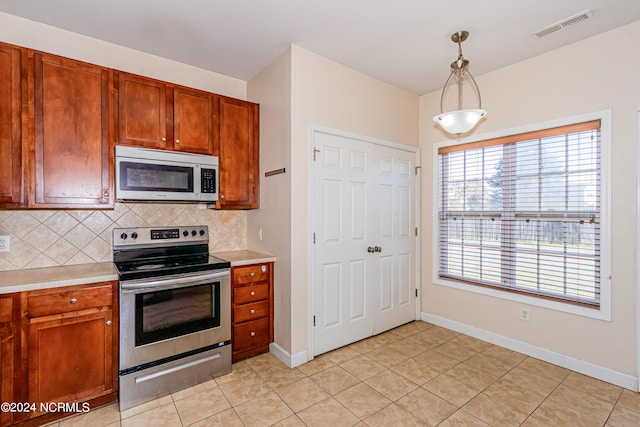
{"points": [[193, 232], [134, 235], [185, 233], [123, 236], [202, 232]]}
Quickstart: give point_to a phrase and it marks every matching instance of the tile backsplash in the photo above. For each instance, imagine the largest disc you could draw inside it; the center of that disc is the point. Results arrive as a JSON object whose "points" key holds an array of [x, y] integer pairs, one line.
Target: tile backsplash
{"points": [[46, 238]]}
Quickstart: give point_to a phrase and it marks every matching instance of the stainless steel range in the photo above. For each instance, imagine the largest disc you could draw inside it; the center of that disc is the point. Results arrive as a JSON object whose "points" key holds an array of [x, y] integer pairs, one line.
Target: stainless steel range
{"points": [[175, 311]]}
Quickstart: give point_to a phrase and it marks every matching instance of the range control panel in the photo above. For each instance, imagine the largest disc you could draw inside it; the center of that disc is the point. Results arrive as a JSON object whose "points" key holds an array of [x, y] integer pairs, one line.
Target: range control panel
{"points": [[160, 236]]}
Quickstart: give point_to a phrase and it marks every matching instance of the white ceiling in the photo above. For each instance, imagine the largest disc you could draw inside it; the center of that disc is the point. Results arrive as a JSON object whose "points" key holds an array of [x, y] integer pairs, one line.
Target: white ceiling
{"points": [[403, 42]]}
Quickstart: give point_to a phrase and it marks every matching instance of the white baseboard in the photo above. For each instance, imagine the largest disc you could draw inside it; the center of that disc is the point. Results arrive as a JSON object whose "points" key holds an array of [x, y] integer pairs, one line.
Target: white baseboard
{"points": [[605, 374], [287, 358]]}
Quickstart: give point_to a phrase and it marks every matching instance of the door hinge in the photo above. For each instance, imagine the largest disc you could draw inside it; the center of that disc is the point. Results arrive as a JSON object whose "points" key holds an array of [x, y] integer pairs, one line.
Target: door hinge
{"points": [[314, 320], [416, 292], [315, 151], [416, 231], [416, 169], [314, 238]]}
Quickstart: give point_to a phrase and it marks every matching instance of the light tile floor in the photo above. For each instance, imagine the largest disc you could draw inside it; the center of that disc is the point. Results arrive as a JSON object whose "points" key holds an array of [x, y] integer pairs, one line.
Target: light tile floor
{"points": [[418, 374]]}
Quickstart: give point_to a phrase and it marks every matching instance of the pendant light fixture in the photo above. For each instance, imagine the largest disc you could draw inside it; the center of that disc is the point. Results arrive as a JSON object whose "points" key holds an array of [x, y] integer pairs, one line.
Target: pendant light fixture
{"points": [[461, 120]]}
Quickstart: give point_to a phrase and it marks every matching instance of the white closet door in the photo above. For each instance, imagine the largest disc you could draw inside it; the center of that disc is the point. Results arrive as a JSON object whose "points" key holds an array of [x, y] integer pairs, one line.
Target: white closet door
{"points": [[395, 238], [363, 278]]}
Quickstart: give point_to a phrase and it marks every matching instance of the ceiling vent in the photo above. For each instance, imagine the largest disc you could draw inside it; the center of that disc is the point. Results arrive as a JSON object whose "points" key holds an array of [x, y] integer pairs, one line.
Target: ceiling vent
{"points": [[565, 23]]}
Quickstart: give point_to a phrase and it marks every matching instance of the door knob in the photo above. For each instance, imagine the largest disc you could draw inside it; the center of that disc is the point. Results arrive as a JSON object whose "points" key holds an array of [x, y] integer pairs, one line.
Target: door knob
{"points": [[370, 249], [377, 249]]}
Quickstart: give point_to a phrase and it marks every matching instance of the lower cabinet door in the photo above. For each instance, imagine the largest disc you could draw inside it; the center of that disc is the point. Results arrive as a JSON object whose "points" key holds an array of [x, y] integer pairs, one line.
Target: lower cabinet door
{"points": [[70, 359], [251, 334], [7, 366]]}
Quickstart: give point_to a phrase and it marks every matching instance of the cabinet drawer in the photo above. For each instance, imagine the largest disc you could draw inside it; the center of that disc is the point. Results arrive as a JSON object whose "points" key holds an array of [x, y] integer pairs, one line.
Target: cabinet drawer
{"points": [[250, 294], [251, 334], [68, 299], [253, 311], [251, 273], [6, 309]]}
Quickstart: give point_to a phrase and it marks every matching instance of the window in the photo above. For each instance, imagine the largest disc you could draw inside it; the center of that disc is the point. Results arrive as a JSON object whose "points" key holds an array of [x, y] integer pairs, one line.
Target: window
{"points": [[522, 213]]}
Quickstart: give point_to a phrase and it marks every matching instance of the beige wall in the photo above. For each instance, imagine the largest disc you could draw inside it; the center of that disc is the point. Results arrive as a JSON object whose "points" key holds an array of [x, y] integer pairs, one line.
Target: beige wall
{"points": [[328, 94], [297, 90], [272, 89], [22, 32], [592, 75]]}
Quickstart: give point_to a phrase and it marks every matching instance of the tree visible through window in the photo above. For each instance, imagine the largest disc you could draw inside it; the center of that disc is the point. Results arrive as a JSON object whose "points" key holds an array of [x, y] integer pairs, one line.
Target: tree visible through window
{"points": [[522, 213]]}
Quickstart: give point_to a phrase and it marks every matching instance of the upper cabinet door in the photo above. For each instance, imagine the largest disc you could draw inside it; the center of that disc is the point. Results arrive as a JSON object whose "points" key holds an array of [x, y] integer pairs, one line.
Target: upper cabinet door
{"points": [[239, 154], [142, 112], [193, 120], [11, 194], [73, 159]]}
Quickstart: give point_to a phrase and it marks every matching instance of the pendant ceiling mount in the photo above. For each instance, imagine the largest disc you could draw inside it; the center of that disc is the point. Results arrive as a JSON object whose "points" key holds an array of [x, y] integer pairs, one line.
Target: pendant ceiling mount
{"points": [[461, 120]]}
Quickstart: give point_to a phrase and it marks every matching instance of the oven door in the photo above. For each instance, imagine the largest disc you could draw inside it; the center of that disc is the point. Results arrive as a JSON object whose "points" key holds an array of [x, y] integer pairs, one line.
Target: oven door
{"points": [[168, 317]]}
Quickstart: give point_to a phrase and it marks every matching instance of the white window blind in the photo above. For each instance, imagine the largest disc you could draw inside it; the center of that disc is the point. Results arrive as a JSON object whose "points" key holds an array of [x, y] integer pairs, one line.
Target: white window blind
{"points": [[522, 213]]}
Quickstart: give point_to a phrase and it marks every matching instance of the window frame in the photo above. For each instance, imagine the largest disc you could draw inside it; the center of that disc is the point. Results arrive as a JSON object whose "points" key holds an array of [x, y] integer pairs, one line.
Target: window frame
{"points": [[602, 312]]}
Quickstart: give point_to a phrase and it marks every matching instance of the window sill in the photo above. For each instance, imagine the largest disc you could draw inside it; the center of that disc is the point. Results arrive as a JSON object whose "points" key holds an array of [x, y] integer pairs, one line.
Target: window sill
{"points": [[603, 313]]}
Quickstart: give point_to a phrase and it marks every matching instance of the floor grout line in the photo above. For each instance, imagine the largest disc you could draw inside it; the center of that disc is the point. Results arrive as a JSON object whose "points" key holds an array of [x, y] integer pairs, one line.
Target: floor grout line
{"points": [[261, 367]]}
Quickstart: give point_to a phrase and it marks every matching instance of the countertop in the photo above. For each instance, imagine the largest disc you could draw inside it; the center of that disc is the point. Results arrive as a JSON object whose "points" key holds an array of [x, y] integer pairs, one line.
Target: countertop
{"points": [[245, 257], [52, 277]]}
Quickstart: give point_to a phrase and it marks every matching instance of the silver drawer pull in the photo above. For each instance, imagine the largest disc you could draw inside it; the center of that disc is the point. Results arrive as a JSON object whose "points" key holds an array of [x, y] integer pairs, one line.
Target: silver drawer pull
{"points": [[252, 274], [253, 334], [253, 311], [73, 300], [108, 322], [253, 293]]}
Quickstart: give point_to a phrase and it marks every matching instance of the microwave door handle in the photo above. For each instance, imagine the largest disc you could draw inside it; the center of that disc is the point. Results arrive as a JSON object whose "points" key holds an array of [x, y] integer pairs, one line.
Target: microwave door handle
{"points": [[129, 285]]}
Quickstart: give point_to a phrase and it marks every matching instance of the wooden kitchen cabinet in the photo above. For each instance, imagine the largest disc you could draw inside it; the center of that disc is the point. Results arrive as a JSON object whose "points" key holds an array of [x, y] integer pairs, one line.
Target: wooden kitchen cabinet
{"points": [[239, 154], [72, 155], [11, 85], [252, 315], [72, 336], [10, 388], [159, 115], [142, 113], [194, 113]]}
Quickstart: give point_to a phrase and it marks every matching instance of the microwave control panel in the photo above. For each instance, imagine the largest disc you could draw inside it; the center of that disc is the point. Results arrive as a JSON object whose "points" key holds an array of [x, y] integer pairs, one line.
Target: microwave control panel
{"points": [[208, 179]]}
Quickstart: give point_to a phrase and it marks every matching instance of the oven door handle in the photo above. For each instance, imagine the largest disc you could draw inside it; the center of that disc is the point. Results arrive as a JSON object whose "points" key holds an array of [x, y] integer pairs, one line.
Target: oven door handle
{"points": [[144, 284]]}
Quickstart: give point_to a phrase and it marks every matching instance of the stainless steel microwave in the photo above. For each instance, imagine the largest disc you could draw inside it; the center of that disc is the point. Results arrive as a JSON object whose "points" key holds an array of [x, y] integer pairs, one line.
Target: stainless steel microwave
{"points": [[158, 175]]}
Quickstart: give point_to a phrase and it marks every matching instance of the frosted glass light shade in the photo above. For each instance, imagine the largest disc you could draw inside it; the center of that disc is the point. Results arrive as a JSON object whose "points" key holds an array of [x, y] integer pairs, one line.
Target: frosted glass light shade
{"points": [[460, 121]]}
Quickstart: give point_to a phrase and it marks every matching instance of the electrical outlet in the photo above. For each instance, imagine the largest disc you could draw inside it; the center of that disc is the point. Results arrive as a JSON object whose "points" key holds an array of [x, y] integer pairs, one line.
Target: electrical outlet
{"points": [[5, 243], [525, 314]]}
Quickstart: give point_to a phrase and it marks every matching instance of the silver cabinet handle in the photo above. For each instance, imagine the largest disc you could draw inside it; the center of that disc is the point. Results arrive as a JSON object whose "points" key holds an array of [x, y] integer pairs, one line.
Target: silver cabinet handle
{"points": [[253, 293], [253, 311], [252, 274], [177, 141], [253, 334], [163, 139], [73, 300], [108, 322], [222, 196], [146, 284]]}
